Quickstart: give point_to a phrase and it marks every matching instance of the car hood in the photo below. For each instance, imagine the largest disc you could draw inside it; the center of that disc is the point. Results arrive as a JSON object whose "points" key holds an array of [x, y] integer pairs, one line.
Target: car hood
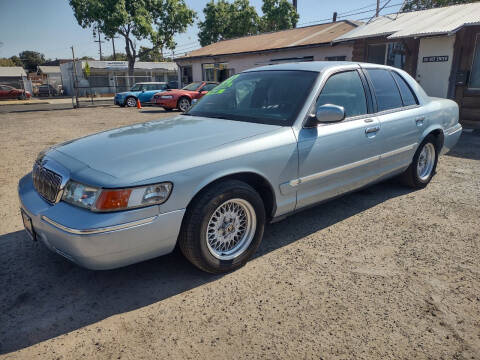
{"points": [[137, 152], [125, 93]]}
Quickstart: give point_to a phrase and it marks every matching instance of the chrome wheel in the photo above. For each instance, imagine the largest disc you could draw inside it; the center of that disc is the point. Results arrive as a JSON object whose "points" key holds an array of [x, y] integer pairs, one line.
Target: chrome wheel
{"points": [[426, 161], [231, 229], [131, 102], [184, 104]]}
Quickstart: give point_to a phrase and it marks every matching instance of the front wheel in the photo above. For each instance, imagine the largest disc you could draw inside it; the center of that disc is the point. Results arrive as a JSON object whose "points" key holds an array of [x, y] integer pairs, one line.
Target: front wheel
{"points": [[131, 101], [223, 227], [423, 165], [184, 104]]}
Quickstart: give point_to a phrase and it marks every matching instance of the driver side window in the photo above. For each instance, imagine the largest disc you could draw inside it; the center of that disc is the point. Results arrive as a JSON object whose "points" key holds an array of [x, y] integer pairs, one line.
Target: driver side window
{"points": [[345, 89]]}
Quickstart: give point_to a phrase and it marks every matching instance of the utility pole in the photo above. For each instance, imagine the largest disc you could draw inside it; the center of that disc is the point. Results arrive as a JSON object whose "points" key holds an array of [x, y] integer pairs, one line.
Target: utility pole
{"points": [[334, 17], [99, 44], [377, 12], [113, 45], [75, 84]]}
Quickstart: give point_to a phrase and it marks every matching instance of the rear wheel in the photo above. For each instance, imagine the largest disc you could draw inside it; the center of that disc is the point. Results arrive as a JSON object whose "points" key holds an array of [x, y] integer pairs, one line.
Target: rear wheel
{"points": [[223, 227], [131, 101], [184, 104], [423, 165]]}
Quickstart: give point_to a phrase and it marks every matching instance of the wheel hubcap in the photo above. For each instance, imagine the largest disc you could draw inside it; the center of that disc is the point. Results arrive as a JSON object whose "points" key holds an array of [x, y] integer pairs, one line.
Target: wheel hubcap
{"points": [[231, 229], [425, 162], [184, 104], [131, 102]]}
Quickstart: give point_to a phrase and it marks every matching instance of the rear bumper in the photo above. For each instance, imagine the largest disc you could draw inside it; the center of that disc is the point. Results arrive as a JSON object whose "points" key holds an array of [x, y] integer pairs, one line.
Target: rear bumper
{"points": [[100, 240], [450, 138]]}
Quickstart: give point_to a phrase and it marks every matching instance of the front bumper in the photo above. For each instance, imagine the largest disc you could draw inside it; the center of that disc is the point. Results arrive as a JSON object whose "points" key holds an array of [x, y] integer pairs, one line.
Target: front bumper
{"points": [[100, 241], [166, 103]]}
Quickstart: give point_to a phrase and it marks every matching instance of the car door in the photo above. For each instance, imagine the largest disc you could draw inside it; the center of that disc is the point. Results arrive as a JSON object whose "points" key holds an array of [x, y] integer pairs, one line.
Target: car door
{"points": [[398, 113], [339, 157]]}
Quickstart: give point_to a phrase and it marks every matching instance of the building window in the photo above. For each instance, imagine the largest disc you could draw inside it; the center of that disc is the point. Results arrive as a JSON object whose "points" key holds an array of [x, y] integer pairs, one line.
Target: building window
{"points": [[335, 58], [474, 82], [392, 54], [217, 72]]}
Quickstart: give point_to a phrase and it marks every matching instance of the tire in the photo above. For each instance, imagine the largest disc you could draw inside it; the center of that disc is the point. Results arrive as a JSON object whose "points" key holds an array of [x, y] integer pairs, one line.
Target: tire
{"points": [[184, 104], [211, 208], [423, 165], [131, 101]]}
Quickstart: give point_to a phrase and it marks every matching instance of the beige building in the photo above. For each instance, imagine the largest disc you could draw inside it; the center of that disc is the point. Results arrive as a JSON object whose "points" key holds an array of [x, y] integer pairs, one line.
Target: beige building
{"points": [[218, 61]]}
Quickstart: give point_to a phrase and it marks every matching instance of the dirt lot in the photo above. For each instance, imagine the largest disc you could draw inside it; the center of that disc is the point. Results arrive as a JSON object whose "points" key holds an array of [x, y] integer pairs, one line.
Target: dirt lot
{"points": [[385, 273]]}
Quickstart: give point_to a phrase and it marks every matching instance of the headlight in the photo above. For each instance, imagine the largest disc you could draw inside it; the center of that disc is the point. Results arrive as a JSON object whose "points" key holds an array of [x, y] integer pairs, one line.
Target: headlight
{"points": [[166, 97], [97, 199]]}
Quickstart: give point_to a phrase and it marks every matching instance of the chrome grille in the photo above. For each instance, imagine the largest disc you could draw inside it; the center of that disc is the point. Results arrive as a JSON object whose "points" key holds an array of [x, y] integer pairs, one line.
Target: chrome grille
{"points": [[46, 182]]}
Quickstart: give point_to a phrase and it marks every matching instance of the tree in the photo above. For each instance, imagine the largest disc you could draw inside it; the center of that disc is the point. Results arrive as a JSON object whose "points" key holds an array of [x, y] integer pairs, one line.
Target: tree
{"points": [[224, 20], [87, 58], [415, 5], [31, 59], [278, 15], [135, 20], [7, 62], [146, 54], [16, 60], [119, 56]]}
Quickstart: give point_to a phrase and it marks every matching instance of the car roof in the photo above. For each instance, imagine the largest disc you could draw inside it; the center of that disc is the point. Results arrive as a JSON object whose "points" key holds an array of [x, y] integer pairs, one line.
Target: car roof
{"points": [[150, 82], [317, 66]]}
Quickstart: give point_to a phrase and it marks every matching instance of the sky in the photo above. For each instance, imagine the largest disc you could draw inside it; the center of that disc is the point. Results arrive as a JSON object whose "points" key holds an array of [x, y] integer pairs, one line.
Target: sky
{"points": [[49, 26]]}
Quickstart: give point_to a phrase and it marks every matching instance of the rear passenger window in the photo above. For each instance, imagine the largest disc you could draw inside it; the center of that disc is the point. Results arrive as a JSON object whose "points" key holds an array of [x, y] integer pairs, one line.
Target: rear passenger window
{"points": [[407, 94], [345, 89], [386, 91]]}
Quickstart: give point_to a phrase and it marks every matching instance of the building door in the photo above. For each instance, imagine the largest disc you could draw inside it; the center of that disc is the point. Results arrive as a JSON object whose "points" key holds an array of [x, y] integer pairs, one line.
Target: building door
{"points": [[434, 64]]}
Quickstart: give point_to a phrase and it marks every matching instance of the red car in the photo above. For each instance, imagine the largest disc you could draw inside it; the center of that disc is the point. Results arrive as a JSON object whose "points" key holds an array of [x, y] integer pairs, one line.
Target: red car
{"points": [[182, 98], [8, 92]]}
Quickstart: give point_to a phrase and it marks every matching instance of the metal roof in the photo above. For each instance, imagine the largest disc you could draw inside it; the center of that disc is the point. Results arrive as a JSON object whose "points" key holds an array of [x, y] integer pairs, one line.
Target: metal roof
{"points": [[12, 71], [437, 21], [49, 69], [309, 35], [139, 65]]}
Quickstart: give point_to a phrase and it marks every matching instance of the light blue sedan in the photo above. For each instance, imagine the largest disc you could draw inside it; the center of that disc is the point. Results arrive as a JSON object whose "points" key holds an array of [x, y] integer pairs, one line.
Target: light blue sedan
{"points": [[143, 91], [264, 144]]}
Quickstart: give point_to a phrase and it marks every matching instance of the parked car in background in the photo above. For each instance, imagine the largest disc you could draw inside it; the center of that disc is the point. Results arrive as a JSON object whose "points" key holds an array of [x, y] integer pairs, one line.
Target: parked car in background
{"points": [[47, 90], [253, 150], [9, 92], [182, 98], [173, 84], [143, 91]]}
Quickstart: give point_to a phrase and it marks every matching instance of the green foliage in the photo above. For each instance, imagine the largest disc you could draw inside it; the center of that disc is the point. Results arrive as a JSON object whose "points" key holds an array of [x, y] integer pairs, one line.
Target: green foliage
{"points": [[415, 5], [31, 59], [155, 20], [225, 20], [146, 54], [119, 57], [7, 62], [87, 69], [278, 15], [87, 58], [16, 60]]}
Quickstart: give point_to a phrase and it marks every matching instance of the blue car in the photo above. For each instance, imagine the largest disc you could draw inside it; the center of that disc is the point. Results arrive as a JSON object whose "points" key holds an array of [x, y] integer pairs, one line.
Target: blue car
{"points": [[143, 91]]}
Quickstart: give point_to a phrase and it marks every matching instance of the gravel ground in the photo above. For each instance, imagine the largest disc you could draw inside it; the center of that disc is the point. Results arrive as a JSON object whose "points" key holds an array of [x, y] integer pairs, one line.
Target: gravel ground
{"points": [[384, 273]]}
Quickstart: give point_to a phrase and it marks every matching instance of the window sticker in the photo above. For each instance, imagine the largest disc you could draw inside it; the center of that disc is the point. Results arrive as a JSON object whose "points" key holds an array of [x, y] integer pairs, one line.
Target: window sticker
{"points": [[220, 89]]}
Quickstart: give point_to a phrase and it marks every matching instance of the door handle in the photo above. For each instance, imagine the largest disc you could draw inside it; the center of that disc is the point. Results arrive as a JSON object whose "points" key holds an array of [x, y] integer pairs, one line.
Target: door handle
{"points": [[372, 129], [420, 120]]}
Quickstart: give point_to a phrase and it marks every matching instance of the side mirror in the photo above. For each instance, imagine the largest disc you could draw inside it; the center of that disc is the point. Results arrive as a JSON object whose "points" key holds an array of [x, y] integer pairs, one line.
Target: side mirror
{"points": [[329, 113]]}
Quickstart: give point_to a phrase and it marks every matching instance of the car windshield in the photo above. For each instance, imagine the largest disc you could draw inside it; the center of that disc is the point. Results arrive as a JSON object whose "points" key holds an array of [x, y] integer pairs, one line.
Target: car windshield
{"points": [[136, 87], [193, 86], [268, 97]]}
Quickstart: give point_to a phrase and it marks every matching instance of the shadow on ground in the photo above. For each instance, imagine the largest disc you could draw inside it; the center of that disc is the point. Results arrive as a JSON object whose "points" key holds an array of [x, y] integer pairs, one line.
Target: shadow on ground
{"points": [[44, 296], [468, 146]]}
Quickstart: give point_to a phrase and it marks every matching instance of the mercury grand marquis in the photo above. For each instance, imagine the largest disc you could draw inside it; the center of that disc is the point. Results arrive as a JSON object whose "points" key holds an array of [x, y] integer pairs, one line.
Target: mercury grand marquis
{"points": [[263, 144]]}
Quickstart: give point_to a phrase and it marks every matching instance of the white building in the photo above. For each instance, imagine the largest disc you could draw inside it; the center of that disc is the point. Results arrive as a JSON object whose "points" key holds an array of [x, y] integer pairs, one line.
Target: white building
{"points": [[218, 61], [109, 77]]}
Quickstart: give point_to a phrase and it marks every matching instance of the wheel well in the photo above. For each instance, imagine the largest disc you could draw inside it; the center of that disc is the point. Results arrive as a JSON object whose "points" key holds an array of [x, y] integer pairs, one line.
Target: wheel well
{"points": [[258, 182], [438, 135]]}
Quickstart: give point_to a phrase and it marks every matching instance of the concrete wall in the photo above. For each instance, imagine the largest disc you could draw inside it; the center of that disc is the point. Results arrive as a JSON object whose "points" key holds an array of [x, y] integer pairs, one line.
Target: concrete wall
{"points": [[247, 61]]}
